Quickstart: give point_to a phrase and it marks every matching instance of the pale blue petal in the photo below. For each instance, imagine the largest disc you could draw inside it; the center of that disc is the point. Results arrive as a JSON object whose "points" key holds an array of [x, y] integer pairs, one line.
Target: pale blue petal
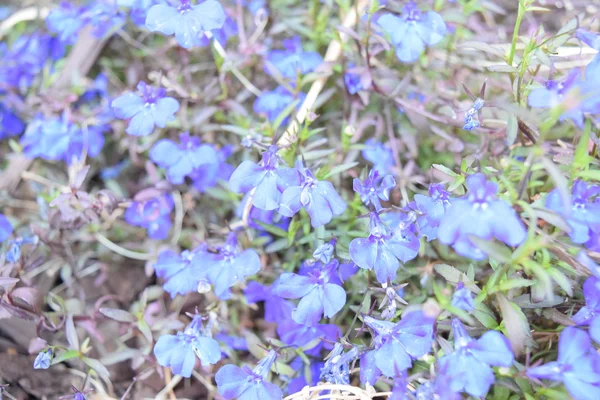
{"points": [[246, 177], [231, 381], [164, 110], [493, 348], [334, 298], [319, 210], [431, 28], [267, 195], [208, 350], [162, 18], [290, 201], [142, 124], [165, 153], [127, 105], [411, 46], [211, 15], [292, 286], [363, 252], [310, 308], [391, 358]]}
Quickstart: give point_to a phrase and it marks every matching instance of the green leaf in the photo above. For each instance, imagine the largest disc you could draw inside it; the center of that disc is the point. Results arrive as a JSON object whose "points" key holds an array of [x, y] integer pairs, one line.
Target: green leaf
{"points": [[97, 366], [117, 314], [515, 283], [285, 113], [555, 219], [561, 280], [484, 315], [454, 276], [445, 170], [340, 168], [271, 229], [64, 356], [512, 128], [71, 333], [503, 68], [495, 250]]}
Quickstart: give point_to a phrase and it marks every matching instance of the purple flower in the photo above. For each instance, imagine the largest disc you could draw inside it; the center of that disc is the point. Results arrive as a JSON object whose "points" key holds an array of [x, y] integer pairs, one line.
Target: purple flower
{"points": [[319, 198], [294, 334], [229, 266], [469, 367], [374, 188], [318, 296], [6, 228], [103, 16], [233, 342], [413, 31], [66, 21], [577, 366], [273, 103], [337, 367], [258, 216], [462, 298], [590, 313], [396, 345], [179, 351], [145, 112], [59, 139], [181, 159], [43, 360], [187, 22], [379, 155], [268, 178], [246, 384], [153, 215], [481, 214], [431, 210], [293, 60], [181, 273], [384, 249], [10, 123], [276, 308], [583, 212]]}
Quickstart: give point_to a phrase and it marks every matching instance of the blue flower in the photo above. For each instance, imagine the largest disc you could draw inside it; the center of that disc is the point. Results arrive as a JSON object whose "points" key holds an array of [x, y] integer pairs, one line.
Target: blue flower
{"points": [[268, 178], [318, 296], [480, 214], [230, 266], [337, 367], [6, 228], [254, 6], [554, 93], [379, 155], [181, 272], [103, 16], [374, 188], [384, 249], [577, 366], [293, 60], [152, 214], [66, 21], [309, 377], [275, 102], [187, 22], [145, 112], [469, 367], [583, 212], [413, 31], [138, 9], [396, 345], [276, 308], [319, 198], [299, 335], [356, 79], [10, 123], [431, 210], [43, 360], [462, 298], [238, 383], [14, 252], [222, 34], [324, 252], [233, 342], [180, 160], [399, 388], [256, 216], [207, 175], [59, 139], [179, 351]]}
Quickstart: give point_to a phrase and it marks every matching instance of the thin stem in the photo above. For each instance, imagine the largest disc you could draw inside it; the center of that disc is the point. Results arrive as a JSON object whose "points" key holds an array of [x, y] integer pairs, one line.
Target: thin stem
{"points": [[513, 46], [120, 250]]}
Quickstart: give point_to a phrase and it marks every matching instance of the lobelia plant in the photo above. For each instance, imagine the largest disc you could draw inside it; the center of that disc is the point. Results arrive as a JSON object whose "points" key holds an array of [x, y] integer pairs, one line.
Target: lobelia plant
{"points": [[483, 227]]}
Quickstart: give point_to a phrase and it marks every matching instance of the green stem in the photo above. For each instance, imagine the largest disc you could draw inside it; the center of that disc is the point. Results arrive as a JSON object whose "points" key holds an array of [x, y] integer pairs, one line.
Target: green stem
{"points": [[513, 46]]}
